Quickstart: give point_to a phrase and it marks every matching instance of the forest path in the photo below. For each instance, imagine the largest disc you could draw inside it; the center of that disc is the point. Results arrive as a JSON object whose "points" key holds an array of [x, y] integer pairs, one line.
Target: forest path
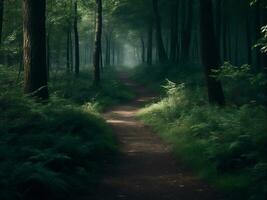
{"points": [[146, 168]]}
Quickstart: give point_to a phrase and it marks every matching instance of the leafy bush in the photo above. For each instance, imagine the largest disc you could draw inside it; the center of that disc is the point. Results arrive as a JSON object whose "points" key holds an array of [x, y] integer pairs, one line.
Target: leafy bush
{"points": [[226, 145], [81, 91], [49, 151], [241, 85]]}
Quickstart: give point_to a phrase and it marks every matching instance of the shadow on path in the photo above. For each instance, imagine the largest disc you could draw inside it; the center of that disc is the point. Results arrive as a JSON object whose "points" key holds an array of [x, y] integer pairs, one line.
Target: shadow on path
{"points": [[146, 169]]}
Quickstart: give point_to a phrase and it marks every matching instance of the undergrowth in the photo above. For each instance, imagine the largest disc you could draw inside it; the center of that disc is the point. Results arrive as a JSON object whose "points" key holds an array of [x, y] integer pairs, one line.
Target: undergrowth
{"points": [[80, 90], [227, 146], [49, 151]]}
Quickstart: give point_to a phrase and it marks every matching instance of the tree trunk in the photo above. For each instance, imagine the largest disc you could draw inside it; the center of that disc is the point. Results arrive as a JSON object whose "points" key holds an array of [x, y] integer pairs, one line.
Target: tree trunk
{"points": [[48, 51], [143, 50], [113, 52], [68, 52], [98, 35], [150, 44], [160, 46], [107, 60], [71, 52], [186, 30], [210, 53], [34, 45], [174, 31], [1, 19], [76, 40]]}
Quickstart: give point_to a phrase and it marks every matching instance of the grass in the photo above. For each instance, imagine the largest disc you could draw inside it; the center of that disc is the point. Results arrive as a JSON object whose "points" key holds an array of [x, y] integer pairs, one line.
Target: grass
{"points": [[55, 150], [226, 146]]}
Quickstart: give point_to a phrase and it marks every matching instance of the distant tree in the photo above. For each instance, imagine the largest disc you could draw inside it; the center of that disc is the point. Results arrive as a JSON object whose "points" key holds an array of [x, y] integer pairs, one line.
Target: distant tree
{"points": [[1, 19], [210, 53], [150, 43], [160, 46], [76, 39], [174, 30], [98, 36], [34, 45], [187, 8]]}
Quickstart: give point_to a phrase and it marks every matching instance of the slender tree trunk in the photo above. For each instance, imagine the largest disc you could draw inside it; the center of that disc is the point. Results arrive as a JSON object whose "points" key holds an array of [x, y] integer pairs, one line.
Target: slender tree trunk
{"points": [[1, 19], [187, 30], [257, 34], [34, 45], [68, 52], [150, 44], [160, 46], [98, 35], [174, 31], [107, 60], [1, 29], [143, 50], [210, 53], [113, 52], [76, 39], [48, 54], [249, 43], [71, 52], [219, 28]]}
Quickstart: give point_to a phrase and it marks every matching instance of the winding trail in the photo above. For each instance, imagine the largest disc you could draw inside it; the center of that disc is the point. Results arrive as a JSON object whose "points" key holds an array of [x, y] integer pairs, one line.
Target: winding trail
{"points": [[146, 169]]}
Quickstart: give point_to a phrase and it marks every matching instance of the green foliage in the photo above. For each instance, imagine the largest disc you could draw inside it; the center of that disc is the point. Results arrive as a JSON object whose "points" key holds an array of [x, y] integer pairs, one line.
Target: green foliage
{"points": [[54, 150], [241, 85], [227, 146], [81, 91]]}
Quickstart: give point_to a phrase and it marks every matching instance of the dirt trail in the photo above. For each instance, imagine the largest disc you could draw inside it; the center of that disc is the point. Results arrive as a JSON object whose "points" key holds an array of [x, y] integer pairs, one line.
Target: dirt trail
{"points": [[146, 169]]}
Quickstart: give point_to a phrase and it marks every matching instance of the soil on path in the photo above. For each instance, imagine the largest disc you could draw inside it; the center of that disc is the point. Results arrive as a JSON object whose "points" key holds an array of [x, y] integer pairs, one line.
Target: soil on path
{"points": [[146, 169]]}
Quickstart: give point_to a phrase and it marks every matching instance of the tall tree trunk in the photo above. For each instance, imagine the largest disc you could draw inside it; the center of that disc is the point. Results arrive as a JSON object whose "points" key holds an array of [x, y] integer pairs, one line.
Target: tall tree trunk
{"points": [[34, 45], [1, 19], [186, 30], [48, 54], [98, 35], [218, 25], [174, 31], [160, 46], [143, 50], [68, 52], [257, 29], [210, 53], [150, 44], [1, 29], [76, 39], [107, 60], [113, 52], [71, 52]]}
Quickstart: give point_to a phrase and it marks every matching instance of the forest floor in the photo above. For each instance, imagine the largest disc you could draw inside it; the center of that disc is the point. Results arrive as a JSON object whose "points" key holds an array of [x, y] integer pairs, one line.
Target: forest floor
{"points": [[146, 168]]}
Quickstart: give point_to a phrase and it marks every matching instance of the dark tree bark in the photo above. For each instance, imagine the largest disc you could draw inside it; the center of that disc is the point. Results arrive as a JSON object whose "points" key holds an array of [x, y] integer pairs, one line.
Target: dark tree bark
{"points": [[98, 35], [1, 19], [107, 60], [257, 30], [210, 53], [174, 31], [187, 6], [34, 45], [143, 50], [113, 52], [76, 39], [150, 44], [249, 43], [218, 25], [68, 52], [160, 46], [48, 53], [71, 52]]}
